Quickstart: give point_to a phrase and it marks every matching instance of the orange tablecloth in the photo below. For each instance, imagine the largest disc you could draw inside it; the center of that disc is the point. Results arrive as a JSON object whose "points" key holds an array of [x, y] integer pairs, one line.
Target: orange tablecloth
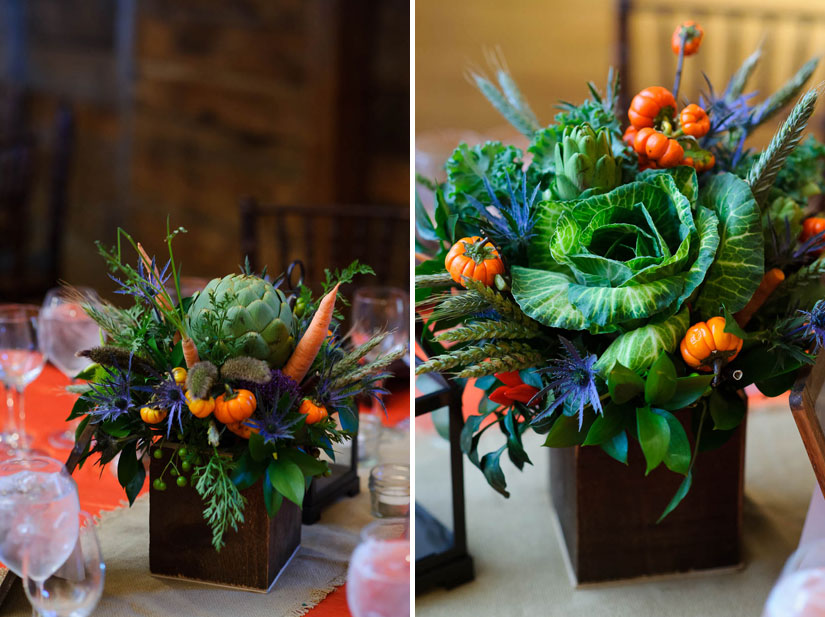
{"points": [[48, 405]]}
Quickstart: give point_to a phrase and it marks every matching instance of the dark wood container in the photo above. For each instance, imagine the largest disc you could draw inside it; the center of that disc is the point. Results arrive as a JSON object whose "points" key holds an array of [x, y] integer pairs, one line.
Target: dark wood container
{"points": [[607, 512], [180, 541]]}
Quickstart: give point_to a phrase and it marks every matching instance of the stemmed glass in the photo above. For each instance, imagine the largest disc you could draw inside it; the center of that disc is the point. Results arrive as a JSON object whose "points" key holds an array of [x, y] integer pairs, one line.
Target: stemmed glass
{"points": [[75, 588], [39, 511], [376, 309], [65, 329], [378, 580], [21, 361]]}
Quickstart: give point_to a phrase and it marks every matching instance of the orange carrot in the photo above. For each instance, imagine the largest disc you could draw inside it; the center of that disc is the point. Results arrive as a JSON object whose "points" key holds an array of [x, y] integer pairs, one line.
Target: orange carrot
{"points": [[190, 352], [770, 282], [310, 343]]}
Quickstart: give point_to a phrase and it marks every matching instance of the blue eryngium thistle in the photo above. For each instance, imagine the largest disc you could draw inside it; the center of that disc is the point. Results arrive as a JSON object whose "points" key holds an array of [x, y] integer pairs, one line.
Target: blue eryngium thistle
{"points": [[111, 397], [573, 383], [169, 395], [815, 325], [276, 399], [510, 224], [148, 286]]}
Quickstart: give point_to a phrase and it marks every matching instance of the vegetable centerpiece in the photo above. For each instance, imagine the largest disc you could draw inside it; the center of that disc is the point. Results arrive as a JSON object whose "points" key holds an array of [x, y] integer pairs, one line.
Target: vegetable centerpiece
{"points": [[647, 265], [245, 380]]}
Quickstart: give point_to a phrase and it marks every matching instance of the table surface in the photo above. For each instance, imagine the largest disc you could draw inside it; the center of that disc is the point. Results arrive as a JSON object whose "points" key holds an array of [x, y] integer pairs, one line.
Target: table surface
{"points": [[48, 405], [520, 568]]}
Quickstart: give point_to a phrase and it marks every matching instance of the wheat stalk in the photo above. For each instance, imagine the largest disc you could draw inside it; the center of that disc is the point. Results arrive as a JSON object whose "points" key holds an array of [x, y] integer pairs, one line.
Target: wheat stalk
{"points": [[434, 280], [506, 307], [487, 329], [788, 91], [737, 82], [763, 173]]}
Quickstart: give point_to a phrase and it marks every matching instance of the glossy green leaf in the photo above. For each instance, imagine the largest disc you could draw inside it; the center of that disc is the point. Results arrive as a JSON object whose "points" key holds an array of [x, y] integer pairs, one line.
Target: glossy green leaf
{"points": [[605, 426], [739, 265], [681, 492], [677, 457], [258, 448], [288, 479], [515, 447], [127, 464], [617, 447], [731, 326], [727, 410], [688, 391], [565, 433], [247, 471], [310, 465], [273, 500], [654, 436], [660, 385], [491, 467], [639, 348], [623, 384], [778, 384]]}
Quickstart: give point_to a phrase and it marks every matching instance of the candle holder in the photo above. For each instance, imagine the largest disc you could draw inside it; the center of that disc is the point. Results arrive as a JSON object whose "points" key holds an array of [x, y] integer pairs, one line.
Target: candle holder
{"points": [[390, 490]]}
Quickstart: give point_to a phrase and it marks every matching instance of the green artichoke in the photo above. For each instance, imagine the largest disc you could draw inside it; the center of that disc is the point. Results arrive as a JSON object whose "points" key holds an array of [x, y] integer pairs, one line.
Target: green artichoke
{"points": [[257, 317], [585, 161]]}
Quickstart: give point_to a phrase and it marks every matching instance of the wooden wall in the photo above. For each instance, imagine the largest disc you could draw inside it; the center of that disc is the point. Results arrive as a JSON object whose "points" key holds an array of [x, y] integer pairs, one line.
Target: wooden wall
{"points": [[185, 107]]}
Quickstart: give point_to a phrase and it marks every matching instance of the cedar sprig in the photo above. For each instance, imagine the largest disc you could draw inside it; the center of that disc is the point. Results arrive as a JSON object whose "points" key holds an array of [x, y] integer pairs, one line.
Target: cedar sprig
{"points": [[503, 305], [434, 280], [763, 173], [224, 502], [350, 361], [487, 329]]}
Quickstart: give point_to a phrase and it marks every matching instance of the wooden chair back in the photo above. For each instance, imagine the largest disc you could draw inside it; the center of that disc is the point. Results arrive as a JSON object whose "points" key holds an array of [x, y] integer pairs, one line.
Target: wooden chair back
{"points": [[810, 417], [327, 236]]}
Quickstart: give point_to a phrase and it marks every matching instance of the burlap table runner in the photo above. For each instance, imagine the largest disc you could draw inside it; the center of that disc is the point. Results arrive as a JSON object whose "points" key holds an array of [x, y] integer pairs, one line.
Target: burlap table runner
{"points": [[319, 567], [520, 570]]}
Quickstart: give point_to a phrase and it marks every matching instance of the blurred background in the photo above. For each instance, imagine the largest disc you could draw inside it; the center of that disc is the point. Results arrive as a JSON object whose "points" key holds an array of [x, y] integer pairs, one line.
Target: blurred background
{"points": [[553, 47], [121, 112]]}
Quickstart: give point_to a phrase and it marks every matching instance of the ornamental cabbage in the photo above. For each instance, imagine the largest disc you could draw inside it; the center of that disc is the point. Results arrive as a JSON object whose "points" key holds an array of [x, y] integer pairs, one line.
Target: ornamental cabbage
{"points": [[617, 261]]}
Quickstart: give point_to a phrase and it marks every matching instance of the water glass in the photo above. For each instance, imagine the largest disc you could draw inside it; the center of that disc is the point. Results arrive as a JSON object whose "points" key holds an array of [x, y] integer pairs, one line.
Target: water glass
{"points": [[75, 589], [369, 438], [800, 590], [390, 490], [376, 309], [39, 511], [378, 580], [21, 361]]}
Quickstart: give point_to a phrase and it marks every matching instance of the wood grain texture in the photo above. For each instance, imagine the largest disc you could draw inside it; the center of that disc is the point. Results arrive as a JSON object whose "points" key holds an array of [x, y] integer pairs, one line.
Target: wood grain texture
{"points": [[180, 541], [804, 395], [608, 512]]}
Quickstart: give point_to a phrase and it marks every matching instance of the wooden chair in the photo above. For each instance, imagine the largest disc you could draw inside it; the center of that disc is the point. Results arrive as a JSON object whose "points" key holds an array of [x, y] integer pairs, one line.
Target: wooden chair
{"points": [[791, 36], [810, 421], [27, 271], [328, 236]]}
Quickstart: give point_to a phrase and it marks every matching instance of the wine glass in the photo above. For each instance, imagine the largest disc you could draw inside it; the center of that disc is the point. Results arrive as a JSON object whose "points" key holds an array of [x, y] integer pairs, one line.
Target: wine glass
{"points": [[65, 329], [378, 580], [75, 588], [39, 511], [21, 361]]}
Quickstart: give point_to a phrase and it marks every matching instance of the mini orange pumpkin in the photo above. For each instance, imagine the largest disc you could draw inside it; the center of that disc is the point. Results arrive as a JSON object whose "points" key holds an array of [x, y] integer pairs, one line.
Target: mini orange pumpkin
{"points": [[241, 429], [706, 346], [200, 407], [650, 105], [693, 37], [475, 259], [235, 406], [694, 121], [314, 413], [153, 416]]}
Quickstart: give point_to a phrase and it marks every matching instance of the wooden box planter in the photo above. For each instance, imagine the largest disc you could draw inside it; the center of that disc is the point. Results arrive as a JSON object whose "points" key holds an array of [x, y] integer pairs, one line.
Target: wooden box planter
{"points": [[607, 513], [180, 541]]}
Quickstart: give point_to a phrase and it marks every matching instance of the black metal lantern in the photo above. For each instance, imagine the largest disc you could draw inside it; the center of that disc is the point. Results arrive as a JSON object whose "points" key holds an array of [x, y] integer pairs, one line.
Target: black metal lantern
{"points": [[441, 558]]}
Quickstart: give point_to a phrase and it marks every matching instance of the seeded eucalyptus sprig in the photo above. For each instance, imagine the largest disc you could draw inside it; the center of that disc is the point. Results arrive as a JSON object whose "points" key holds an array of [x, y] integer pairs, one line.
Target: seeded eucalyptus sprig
{"points": [[487, 329], [763, 173]]}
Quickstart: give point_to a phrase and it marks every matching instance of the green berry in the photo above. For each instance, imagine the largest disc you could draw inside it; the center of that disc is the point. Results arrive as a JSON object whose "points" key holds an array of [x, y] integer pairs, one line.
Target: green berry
{"points": [[157, 454], [183, 452], [186, 465], [159, 485], [173, 472], [181, 481]]}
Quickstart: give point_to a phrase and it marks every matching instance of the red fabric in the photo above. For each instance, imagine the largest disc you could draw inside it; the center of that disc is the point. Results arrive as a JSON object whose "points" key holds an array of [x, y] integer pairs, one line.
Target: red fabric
{"points": [[48, 405]]}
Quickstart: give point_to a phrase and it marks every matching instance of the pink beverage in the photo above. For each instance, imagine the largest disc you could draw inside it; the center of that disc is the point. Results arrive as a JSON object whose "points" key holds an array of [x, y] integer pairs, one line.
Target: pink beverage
{"points": [[378, 582]]}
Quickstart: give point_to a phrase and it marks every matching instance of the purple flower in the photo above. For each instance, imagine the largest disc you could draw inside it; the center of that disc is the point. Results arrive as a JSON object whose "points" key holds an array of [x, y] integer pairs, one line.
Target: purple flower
{"points": [[112, 397], [573, 383], [815, 325], [276, 399], [170, 396]]}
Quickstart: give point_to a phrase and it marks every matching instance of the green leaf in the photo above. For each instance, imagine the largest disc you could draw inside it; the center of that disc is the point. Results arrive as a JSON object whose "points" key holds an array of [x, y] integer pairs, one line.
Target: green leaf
{"points": [[247, 471], [778, 384], [739, 265], [606, 426], [468, 166], [639, 348], [79, 409], [731, 326], [471, 425], [348, 417], [258, 448], [688, 391], [273, 500], [117, 428], [565, 433], [542, 295], [309, 465], [93, 373], [623, 384], [515, 447], [617, 447], [660, 385], [654, 436], [491, 466], [727, 411], [677, 457], [681, 492], [128, 464], [423, 225], [286, 478]]}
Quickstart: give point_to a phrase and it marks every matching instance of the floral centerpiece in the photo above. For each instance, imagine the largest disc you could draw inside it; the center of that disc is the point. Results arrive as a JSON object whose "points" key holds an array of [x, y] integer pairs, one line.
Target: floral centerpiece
{"points": [[634, 263], [244, 381]]}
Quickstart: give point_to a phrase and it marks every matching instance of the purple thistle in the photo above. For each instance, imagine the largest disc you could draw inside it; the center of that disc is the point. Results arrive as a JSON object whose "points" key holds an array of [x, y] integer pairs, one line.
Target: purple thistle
{"points": [[815, 325], [573, 383], [112, 397], [169, 395], [276, 399], [512, 223], [147, 286]]}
